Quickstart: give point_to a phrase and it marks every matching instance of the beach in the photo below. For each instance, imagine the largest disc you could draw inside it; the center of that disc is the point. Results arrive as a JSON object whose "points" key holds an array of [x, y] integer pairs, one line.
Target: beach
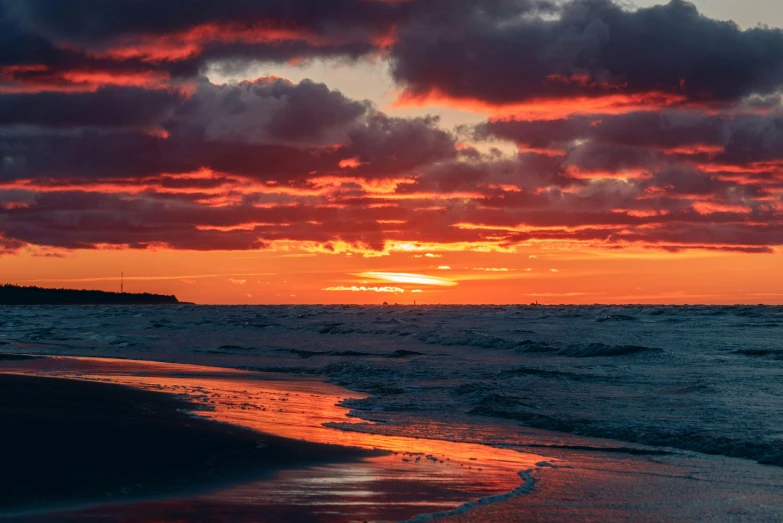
{"points": [[391, 261], [71, 442], [307, 420]]}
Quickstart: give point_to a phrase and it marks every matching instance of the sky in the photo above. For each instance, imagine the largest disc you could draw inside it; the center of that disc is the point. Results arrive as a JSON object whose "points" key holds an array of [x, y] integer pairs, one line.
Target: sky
{"points": [[370, 151]]}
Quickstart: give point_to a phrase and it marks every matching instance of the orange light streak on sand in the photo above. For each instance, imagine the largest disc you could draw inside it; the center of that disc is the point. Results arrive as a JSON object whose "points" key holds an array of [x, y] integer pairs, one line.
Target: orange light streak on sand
{"points": [[291, 409]]}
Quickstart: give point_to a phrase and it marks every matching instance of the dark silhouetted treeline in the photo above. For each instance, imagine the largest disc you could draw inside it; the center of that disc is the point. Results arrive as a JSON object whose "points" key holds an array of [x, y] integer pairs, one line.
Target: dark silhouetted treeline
{"points": [[17, 295]]}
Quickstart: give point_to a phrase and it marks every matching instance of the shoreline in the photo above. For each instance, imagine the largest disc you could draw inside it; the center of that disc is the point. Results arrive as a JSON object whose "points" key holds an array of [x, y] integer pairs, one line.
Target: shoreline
{"points": [[414, 480], [414, 476], [80, 443]]}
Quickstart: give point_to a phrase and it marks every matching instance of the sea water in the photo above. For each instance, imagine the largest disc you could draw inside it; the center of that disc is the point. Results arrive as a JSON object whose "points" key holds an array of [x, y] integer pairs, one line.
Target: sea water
{"points": [[707, 379]]}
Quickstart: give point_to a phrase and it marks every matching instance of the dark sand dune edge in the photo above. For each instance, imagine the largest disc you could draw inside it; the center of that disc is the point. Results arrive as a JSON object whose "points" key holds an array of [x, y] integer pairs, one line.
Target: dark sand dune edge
{"points": [[68, 442]]}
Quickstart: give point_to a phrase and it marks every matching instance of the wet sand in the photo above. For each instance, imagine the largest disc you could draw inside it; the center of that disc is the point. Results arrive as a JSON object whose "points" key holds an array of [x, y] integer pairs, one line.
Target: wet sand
{"points": [[397, 479], [67, 442], [426, 467]]}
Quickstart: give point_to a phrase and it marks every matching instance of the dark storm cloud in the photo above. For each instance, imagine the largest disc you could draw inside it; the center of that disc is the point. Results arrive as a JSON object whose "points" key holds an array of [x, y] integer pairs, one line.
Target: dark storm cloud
{"points": [[109, 135], [84, 220], [108, 107], [528, 172], [18, 45], [41, 42], [614, 142], [78, 153], [499, 51], [387, 146], [594, 47], [758, 140], [267, 110], [96, 22], [663, 129], [268, 129]]}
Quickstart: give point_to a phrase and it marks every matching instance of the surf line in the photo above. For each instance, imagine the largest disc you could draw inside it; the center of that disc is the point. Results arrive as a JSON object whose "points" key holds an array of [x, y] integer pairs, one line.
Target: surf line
{"points": [[304, 410]]}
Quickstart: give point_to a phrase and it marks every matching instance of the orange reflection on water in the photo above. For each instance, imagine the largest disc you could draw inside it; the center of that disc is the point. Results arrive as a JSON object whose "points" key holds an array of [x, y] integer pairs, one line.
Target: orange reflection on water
{"points": [[300, 410]]}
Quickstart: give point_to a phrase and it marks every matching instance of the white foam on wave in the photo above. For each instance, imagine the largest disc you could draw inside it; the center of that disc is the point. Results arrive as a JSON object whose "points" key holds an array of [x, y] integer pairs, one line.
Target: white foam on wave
{"points": [[528, 484]]}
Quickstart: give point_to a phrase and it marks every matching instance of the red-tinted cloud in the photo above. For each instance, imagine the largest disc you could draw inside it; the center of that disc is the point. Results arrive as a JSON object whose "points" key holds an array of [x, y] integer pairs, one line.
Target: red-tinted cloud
{"points": [[587, 49], [109, 136]]}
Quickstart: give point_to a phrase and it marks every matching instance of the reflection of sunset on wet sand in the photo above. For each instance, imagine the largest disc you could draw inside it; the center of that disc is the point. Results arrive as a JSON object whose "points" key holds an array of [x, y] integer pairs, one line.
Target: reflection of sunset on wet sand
{"points": [[339, 261], [440, 386], [445, 474]]}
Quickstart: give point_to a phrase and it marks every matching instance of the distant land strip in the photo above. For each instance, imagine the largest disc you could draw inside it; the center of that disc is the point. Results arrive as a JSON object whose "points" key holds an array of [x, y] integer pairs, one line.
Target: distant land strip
{"points": [[19, 295]]}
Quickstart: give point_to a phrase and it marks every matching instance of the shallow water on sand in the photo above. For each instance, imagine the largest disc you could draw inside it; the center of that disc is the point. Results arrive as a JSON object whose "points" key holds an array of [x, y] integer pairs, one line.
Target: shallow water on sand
{"points": [[701, 378], [414, 476], [685, 380], [431, 468]]}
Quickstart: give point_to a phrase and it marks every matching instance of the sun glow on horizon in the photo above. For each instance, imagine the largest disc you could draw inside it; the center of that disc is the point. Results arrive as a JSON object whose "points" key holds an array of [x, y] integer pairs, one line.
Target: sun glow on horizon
{"points": [[404, 277], [259, 155]]}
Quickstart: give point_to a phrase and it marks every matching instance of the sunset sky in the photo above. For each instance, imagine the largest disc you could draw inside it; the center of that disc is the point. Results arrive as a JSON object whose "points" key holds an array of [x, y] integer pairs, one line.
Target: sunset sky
{"points": [[362, 151]]}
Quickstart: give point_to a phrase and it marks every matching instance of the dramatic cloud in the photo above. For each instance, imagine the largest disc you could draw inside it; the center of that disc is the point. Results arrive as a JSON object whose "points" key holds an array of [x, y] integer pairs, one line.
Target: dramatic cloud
{"points": [[654, 127], [354, 288], [269, 128], [588, 48], [110, 107], [403, 277]]}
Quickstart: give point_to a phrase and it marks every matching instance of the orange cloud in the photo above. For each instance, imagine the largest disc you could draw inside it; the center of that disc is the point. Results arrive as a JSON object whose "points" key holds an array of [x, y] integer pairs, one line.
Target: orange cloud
{"points": [[354, 288], [714, 207], [403, 277], [709, 150], [350, 163], [190, 42], [545, 108], [37, 78]]}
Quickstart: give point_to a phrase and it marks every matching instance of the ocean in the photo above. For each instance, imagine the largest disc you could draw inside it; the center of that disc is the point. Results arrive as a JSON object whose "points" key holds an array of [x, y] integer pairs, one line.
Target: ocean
{"points": [[701, 380]]}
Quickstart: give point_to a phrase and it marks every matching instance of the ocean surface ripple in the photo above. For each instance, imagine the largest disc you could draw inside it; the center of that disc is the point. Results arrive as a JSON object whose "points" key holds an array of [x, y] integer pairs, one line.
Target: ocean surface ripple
{"points": [[707, 379]]}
